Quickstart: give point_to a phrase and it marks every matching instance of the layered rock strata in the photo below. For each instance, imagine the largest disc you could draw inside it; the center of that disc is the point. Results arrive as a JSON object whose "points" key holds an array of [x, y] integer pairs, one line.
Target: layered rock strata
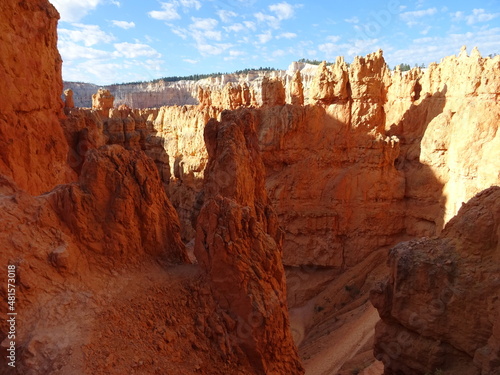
{"points": [[186, 92], [382, 151]]}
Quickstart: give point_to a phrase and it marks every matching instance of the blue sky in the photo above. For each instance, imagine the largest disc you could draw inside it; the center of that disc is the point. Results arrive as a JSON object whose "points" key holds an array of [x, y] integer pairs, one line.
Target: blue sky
{"points": [[113, 41]]}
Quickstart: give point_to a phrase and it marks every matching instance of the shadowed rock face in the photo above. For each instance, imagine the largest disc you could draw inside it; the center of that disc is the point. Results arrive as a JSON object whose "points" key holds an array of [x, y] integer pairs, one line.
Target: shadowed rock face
{"points": [[440, 305]]}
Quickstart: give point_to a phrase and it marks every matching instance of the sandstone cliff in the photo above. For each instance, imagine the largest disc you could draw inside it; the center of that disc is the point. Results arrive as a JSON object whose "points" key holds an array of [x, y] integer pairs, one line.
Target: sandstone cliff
{"points": [[32, 146], [439, 307]]}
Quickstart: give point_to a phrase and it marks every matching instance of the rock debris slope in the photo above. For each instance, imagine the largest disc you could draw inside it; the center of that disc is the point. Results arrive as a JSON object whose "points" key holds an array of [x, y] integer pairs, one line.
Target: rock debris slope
{"points": [[317, 173]]}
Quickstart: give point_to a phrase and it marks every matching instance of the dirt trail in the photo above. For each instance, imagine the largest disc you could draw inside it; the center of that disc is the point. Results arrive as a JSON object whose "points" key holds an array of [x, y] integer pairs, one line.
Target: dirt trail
{"points": [[336, 348]]}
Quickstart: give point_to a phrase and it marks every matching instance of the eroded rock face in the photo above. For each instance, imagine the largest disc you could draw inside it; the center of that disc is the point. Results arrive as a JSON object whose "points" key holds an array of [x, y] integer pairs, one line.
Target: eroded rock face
{"points": [[124, 208], [33, 149], [232, 96], [447, 121], [440, 305], [273, 92], [187, 92], [238, 243], [334, 187], [102, 101], [67, 244]]}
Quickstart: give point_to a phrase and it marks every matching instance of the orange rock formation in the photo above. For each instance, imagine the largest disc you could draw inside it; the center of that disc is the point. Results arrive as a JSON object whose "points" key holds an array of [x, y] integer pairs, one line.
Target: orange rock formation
{"points": [[238, 243], [32, 146], [102, 101]]}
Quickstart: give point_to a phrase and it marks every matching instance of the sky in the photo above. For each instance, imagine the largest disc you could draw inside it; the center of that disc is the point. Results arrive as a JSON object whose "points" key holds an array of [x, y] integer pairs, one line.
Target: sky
{"points": [[116, 41]]}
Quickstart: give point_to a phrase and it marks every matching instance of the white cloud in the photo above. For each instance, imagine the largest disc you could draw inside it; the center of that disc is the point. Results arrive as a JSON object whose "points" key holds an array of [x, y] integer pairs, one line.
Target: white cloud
{"points": [[480, 15], [203, 23], [179, 31], [168, 13], [190, 61], [226, 15], [88, 34], [428, 49], [236, 53], [170, 10], [457, 16], [282, 10], [123, 24], [426, 30], [286, 36], [411, 17], [191, 4], [333, 38], [74, 11], [72, 51], [250, 25], [213, 49], [100, 69], [352, 20], [329, 49], [233, 55], [237, 27], [204, 28], [265, 37], [134, 50], [272, 21], [355, 47], [115, 2], [278, 53]]}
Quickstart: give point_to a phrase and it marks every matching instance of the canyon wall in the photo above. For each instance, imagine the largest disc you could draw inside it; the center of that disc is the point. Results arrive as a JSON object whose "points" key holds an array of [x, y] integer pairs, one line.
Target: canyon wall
{"points": [[440, 306], [33, 149], [375, 157], [447, 121], [185, 92]]}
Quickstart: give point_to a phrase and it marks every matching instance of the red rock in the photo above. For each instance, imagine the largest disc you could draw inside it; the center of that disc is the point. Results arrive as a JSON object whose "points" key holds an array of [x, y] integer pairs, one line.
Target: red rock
{"points": [[33, 150], [119, 208], [238, 243], [273, 92]]}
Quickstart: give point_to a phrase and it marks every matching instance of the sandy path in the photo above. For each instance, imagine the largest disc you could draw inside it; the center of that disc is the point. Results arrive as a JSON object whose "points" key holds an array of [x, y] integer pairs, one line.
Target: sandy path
{"points": [[334, 349]]}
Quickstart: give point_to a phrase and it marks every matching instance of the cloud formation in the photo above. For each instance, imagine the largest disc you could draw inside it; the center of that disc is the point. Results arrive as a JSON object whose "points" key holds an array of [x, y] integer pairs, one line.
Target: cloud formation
{"points": [[74, 11], [123, 24]]}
